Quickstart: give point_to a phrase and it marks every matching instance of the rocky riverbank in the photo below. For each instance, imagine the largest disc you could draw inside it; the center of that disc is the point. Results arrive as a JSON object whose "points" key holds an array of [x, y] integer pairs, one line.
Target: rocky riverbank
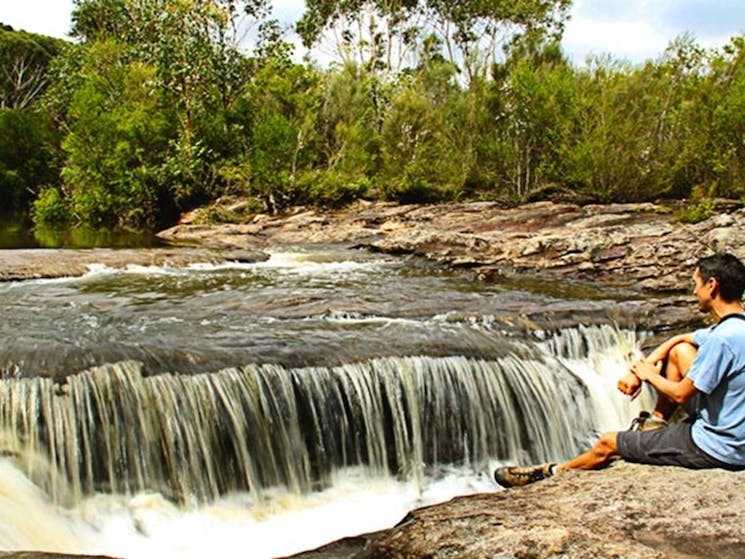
{"points": [[626, 511], [56, 263], [641, 246]]}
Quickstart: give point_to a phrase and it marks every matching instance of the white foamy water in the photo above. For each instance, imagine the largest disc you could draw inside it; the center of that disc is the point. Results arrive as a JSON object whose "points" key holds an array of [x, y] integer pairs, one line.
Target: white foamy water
{"points": [[599, 360], [358, 500], [315, 264], [283, 262], [148, 526]]}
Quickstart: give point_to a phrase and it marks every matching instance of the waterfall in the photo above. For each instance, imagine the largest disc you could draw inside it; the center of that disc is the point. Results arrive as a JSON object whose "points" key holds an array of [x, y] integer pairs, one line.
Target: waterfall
{"points": [[598, 356], [194, 438]]}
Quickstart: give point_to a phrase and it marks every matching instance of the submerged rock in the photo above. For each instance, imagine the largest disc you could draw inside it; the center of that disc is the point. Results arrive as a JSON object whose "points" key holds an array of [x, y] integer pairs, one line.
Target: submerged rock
{"points": [[639, 248], [626, 511]]}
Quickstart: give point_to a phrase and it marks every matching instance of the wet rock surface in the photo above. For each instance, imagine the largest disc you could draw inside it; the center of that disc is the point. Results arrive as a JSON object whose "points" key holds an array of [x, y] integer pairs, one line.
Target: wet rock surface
{"points": [[625, 511], [27, 264], [642, 246]]}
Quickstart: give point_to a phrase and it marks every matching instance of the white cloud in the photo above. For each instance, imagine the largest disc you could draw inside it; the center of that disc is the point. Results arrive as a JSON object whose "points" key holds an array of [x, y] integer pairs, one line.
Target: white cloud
{"points": [[47, 17], [638, 30], [630, 40]]}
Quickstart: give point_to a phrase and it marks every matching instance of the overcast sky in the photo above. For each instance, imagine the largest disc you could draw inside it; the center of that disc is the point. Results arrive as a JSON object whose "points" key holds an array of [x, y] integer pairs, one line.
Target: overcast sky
{"points": [[634, 30]]}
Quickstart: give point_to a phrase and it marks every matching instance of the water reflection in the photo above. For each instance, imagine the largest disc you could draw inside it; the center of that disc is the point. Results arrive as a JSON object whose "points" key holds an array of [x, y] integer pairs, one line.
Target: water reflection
{"points": [[17, 231]]}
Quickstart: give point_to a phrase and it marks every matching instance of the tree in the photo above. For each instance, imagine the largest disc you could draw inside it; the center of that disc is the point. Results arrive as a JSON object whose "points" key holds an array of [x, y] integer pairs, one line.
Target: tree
{"points": [[118, 145], [31, 160], [468, 30], [723, 95], [422, 161], [94, 20], [24, 63], [533, 105], [281, 108]]}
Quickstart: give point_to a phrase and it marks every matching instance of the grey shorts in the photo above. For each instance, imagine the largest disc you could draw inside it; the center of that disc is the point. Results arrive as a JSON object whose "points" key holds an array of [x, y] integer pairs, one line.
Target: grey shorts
{"points": [[669, 446]]}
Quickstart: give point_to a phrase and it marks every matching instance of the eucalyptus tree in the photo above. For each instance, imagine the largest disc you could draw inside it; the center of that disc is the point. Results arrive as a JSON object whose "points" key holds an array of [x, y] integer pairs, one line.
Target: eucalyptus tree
{"points": [[29, 142], [470, 31], [423, 159], [24, 65], [721, 119], [374, 34]]}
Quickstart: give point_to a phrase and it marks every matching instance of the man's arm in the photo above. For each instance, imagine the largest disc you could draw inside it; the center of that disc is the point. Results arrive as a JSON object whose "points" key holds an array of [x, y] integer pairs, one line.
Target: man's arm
{"points": [[677, 391], [662, 351], [630, 384]]}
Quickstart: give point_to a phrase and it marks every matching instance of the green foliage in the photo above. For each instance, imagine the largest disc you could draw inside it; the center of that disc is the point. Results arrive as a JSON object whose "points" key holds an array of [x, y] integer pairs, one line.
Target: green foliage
{"points": [[332, 189], [215, 214], [94, 20], [696, 212], [281, 108], [537, 116], [50, 208], [159, 108], [467, 32], [119, 141], [24, 60], [29, 156], [421, 161]]}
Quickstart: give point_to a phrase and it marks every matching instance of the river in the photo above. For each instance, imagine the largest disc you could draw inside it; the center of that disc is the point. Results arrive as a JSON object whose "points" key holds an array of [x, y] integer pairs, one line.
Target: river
{"points": [[276, 406]]}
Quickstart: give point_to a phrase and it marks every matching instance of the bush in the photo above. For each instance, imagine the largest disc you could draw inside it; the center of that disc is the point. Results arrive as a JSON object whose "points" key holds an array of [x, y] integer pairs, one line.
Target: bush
{"points": [[696, 212], [28, 156], [50, 208], [331, 188]]}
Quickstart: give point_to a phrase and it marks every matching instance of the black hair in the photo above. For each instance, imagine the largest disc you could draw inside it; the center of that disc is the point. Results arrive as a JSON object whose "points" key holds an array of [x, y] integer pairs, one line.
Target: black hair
{"points": [[729, 273]]}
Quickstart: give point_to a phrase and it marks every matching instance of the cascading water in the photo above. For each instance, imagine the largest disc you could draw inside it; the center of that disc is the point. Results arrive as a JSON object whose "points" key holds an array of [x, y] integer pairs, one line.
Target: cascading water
{"points": [[128, 450], [198, 437]]}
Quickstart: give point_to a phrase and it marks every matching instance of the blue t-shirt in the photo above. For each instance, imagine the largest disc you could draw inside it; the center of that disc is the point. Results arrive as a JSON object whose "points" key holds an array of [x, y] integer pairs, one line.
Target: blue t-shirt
{"points": [[718, 372]]}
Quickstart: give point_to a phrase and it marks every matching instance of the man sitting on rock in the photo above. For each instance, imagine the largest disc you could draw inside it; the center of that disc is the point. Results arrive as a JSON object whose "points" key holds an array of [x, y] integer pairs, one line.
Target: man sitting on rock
{"points": [[709, 364]]}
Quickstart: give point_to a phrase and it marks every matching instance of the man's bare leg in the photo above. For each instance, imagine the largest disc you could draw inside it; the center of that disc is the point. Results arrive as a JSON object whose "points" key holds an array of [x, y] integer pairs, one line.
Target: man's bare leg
{"points": [[679, 361], [604, 452]]}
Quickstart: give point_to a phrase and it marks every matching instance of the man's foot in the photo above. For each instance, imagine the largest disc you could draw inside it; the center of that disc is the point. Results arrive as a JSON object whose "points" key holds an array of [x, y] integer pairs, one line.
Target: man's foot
{"points": [[647, 422], [517, 476]]}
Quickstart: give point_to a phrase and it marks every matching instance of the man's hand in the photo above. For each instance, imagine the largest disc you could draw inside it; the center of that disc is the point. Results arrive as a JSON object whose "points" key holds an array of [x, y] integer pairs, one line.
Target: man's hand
{"points": [[645, 370], [630, 385]]}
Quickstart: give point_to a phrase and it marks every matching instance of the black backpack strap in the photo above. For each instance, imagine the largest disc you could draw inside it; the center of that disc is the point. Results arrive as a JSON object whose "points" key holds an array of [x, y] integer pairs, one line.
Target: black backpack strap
{"points": [[733, 315]]}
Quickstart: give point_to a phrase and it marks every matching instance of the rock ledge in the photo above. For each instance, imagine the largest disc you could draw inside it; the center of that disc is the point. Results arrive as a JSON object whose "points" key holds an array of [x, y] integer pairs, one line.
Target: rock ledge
{"points": [[626, 511]]}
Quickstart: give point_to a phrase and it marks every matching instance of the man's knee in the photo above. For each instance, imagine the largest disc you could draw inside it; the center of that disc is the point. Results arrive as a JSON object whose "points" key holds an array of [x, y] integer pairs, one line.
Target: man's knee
{"points": [[682, 356], [606, 446]]}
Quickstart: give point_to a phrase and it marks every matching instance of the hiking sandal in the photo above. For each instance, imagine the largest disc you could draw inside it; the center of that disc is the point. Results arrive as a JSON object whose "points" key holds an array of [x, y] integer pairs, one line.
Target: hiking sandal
{"points": [[517, 476]]}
